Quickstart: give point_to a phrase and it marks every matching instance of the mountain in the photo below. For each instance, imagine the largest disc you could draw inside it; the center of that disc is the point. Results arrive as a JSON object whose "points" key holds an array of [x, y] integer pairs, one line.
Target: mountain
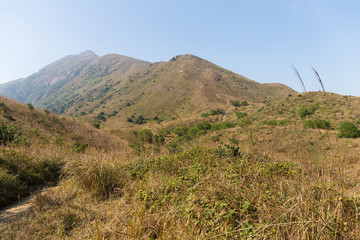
{"points": [[41, 87], [85, 86]]}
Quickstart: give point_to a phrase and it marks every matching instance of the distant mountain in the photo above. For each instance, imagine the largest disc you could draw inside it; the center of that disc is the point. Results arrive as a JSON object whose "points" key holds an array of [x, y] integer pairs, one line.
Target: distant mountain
{"points": [[41, 87], [86, 85]]}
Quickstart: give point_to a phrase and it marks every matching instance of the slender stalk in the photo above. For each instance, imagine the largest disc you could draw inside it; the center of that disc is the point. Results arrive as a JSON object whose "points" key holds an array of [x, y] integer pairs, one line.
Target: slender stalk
{"points": [[299, 76], [319, 79]]}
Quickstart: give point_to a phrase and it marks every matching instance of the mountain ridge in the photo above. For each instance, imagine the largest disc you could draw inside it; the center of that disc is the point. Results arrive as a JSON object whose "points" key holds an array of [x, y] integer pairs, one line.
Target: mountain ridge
{"points": [[84, 85]]}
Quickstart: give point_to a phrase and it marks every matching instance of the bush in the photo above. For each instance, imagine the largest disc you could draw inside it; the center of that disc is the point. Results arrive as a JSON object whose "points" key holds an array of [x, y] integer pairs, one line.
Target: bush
{"points": [[146, 135], [140, 120], [8, 133], [235, 103], [181, 131], [203, 126], [348, 130], [317, 124], [30, 106], [216, 111], [244, 103], [245, 122], [306, 111], [3, 107], [241, 114]]}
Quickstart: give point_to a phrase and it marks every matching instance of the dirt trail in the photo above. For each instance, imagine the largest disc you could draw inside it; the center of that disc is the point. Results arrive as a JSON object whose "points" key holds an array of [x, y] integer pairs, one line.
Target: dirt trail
{"points": [[16, 209], [225, 113]]}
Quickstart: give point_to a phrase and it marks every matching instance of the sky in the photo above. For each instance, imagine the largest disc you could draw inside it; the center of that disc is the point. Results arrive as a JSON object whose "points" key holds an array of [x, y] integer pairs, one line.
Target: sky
{"points": [[259, 39]]}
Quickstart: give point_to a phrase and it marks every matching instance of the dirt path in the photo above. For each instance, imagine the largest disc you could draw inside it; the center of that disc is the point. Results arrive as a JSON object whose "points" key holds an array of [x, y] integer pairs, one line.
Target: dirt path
{"points": [[15, 209], [225, 113]]}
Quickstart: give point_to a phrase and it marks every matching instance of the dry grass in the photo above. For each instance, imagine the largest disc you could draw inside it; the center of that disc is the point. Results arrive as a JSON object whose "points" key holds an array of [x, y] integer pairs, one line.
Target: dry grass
{"points": [[249, 182]]}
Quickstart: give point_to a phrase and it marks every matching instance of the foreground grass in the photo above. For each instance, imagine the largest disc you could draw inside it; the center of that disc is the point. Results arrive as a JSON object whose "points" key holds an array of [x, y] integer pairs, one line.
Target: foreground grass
{"points": [[200, 193]]}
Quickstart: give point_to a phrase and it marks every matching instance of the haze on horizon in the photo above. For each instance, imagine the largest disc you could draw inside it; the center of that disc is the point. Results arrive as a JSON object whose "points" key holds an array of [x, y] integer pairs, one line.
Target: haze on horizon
{"points": [[257, 39]]}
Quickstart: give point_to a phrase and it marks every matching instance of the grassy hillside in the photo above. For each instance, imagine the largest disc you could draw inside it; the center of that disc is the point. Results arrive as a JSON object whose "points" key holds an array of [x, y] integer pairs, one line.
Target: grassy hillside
{"points": [[35, 144], [258, 171], [182, 87]]}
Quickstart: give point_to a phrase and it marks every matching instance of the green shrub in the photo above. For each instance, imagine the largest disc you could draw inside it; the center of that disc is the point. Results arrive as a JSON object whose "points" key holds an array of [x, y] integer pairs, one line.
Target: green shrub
{"points": [[244, 103], [203, 126], [3, 107], [193, 131], [79, 147], [140, 120], [245, 122], [181, 131], [348, 130], [241, 114], [7, 133], [306, 111], [146, 135], [317, 124], [235, 103], [30, 106], [216, 111]]}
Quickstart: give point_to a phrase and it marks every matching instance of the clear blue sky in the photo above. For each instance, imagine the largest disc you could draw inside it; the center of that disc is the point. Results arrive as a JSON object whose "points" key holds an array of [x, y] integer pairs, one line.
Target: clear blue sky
{"points": [[259, 39]]}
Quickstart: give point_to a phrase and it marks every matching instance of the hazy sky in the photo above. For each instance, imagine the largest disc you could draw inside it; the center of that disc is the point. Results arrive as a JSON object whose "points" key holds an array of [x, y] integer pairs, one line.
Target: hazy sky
{"points": [[259, 39]]}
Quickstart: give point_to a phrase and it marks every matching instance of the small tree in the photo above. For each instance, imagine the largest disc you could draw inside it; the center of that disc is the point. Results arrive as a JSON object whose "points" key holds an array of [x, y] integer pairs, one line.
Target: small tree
{"points": [[30, 106]]}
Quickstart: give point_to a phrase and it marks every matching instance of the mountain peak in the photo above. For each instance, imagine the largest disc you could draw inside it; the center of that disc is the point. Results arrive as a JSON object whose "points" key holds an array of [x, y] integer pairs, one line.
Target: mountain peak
{"points": [[184, 56], [88, 53]]}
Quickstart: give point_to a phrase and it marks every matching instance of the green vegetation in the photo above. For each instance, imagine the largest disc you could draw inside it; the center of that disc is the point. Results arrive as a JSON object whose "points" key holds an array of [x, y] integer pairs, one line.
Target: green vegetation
{"points": [[235, 103], [213, 112], [30, 106], [348, 130], [21, 174], [241, 114], [274, 122], [307, 111], [8, 133], [317, 124]]}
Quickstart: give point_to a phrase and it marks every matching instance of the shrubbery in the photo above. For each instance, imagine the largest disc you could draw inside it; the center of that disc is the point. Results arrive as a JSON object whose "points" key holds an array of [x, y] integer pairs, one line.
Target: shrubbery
{"points": [[8, 133], [317, 124], [348, 130], [241, 114], [213, 112], [306, 111]]}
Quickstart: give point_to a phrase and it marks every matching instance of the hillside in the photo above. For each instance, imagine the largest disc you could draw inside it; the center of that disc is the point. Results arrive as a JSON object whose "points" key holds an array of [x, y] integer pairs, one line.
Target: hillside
{"points": [[35, 144], [263, 172], [184, 86], [120, 87]]}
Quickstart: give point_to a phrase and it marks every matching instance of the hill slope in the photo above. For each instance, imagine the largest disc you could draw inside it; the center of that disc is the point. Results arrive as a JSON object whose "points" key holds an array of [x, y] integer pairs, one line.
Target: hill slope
{"points": [[114, 84]]}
